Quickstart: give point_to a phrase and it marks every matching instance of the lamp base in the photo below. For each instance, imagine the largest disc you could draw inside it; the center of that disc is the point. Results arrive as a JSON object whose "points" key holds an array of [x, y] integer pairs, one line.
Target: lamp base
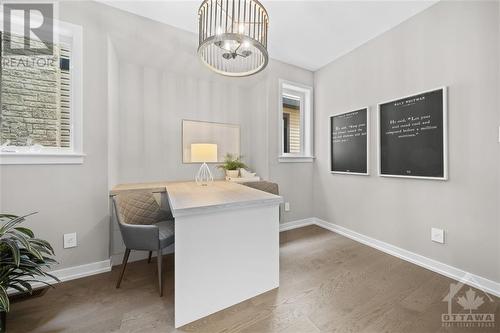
{"points": [[204, 176]]}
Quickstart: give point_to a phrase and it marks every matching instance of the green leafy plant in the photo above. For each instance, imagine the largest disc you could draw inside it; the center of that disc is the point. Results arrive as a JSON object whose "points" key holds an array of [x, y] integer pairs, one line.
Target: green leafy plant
{"points": [[232, 162], [23, 258]]}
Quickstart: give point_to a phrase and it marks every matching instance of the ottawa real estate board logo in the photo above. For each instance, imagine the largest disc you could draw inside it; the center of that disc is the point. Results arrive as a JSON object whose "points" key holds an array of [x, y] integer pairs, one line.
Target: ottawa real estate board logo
{"points": [[468, 307]]}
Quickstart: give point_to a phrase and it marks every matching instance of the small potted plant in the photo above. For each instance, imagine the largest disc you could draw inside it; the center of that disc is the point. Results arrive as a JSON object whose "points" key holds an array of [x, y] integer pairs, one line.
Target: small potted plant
{"points": [[23, 259], [232, 164]]}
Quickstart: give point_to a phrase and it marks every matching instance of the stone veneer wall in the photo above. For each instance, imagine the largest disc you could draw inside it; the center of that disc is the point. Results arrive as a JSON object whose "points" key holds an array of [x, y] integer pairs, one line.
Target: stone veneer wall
{"points": [[34, 99]]}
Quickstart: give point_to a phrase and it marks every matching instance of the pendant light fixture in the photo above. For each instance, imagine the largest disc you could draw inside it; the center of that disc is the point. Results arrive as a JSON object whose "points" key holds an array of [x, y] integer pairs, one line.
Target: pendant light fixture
{"points": [[233, 36]]}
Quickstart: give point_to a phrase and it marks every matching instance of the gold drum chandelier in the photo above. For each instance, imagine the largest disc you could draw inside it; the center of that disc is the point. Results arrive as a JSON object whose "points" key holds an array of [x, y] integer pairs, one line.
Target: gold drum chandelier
{"points": [[233, 36]]}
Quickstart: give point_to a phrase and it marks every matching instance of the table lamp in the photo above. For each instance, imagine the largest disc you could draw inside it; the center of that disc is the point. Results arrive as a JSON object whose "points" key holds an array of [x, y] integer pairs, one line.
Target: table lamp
{"points": [[203, 153]]}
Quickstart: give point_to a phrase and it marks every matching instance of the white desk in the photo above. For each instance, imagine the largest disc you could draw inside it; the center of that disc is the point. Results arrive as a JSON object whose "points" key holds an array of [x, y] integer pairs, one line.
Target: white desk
{"points": [[226, 245]]}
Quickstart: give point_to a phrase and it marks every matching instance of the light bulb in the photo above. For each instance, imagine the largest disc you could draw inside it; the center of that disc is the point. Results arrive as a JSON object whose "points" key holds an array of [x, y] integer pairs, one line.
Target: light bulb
{"points": [[246, 44], [218, 31], [241, 28], [227, 45]]}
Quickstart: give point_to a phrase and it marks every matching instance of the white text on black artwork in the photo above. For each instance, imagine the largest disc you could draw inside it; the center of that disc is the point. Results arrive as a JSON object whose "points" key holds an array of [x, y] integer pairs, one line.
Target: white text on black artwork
{"points": [[410, 126], [346, 133]]}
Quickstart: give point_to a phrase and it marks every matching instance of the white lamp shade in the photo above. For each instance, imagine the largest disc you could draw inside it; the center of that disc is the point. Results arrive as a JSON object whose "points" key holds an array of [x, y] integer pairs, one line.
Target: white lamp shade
{"points": [[203, 152]]}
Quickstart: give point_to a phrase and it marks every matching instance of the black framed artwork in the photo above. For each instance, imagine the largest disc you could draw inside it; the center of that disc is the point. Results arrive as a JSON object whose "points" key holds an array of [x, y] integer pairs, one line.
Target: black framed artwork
{"points": [[412, 136], [349, 142]]}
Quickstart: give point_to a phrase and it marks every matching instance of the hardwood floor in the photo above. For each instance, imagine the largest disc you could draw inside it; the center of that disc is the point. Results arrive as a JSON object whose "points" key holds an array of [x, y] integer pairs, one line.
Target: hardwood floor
{"points": [[328, 283]]}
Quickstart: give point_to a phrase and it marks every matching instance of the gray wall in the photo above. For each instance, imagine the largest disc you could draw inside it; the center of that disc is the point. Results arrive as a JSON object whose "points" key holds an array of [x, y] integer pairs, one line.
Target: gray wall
{"points": [[294, 179], [140, 79], [454, 44], [71, 198], [168, 83], [113, 114]]}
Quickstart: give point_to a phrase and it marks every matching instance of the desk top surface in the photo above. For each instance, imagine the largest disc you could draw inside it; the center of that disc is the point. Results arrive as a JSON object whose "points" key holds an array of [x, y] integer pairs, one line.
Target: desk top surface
{"points": [[188, 198], [153, 187]]}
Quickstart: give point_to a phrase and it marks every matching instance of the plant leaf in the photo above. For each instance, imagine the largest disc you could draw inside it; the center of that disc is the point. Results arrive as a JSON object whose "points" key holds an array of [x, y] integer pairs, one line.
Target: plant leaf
{"points": [[26, 285], [42, 244], [23, 258], [25, 231], [7, 216], [4, 300], [36, 253], [52, 277], [14, 250], [18, 288], [9, 225], [20, 238]]}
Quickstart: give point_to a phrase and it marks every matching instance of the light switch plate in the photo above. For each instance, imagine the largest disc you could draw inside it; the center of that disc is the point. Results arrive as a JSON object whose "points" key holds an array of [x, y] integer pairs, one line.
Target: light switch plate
{"points": [[287, 206], [70, 240], [437, 235]]}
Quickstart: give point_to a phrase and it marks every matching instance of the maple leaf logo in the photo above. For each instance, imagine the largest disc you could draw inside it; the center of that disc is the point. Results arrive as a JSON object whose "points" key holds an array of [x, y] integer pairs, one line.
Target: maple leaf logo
{"points": [[470, 301]]}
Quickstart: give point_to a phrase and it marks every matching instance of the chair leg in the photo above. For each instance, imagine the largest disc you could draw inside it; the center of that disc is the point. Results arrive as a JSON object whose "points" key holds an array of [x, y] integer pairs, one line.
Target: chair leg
{"points": [[160, 272], [149, 258], [124, 264]]}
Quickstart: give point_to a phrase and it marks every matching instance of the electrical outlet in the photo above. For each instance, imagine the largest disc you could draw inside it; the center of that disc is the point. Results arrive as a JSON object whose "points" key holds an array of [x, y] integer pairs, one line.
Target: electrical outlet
{"points": [[437, 235], [70, 240], [287, 206]]}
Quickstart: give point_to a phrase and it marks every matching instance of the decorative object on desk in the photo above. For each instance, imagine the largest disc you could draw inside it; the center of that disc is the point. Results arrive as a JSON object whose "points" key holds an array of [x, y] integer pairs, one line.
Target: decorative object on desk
{"points": [[246, 174], [242, 180], [203, 153], [349, 142], [23, 259], [233, 36], [232, 173], [232, 164], [413, 136], [244, 177]]}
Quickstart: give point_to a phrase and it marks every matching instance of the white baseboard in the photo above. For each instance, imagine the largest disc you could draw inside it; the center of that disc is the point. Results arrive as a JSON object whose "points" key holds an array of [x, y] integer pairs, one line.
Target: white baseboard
{"points": [[76, 272], [297, 224], [458, 274], [117, 258]]}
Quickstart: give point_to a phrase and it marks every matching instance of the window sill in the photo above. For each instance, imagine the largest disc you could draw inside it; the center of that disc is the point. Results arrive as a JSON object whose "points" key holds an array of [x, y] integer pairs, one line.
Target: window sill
{"points": [[295, 159], [40, 158]]}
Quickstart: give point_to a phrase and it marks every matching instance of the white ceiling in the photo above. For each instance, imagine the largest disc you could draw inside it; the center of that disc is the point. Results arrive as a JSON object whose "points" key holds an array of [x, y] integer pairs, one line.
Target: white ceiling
{"points": [[308, 34]]}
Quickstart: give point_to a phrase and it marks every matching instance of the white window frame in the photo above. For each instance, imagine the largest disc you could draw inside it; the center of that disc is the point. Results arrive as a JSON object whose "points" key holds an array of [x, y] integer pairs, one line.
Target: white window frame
{"points": [[306, 121], [72, 35]]}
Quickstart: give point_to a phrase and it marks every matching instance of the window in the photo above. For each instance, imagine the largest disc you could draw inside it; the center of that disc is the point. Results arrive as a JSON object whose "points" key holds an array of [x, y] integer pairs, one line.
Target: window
{"points": [[295, 122], [286, 132], [40, 118]]}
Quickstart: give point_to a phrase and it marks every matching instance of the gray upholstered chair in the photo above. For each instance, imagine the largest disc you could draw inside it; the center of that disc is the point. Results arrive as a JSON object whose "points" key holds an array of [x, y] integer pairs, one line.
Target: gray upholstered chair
{"points": [[265, 186], [144, 226]]}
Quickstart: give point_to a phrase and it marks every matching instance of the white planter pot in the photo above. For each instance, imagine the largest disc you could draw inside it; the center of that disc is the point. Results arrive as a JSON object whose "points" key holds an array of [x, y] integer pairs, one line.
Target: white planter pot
{"points": [[232, 173]]}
